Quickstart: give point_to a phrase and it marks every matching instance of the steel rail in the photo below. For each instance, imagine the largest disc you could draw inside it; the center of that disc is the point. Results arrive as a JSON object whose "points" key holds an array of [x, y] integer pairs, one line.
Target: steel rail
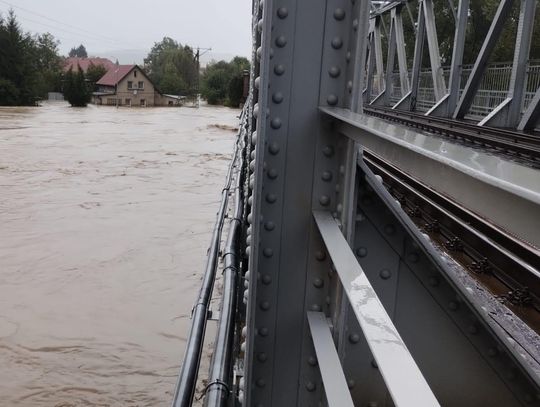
{"points": [[488, 250], [511, 142], [219, 379], [187, 380]]}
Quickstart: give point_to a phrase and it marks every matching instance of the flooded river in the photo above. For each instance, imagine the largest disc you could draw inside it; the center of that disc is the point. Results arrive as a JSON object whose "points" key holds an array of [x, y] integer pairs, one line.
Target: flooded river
{"points": [[105, 219]]}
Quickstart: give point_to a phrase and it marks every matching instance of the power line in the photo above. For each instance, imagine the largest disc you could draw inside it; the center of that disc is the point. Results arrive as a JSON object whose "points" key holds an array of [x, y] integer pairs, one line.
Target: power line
{"points": [[97, 37]]}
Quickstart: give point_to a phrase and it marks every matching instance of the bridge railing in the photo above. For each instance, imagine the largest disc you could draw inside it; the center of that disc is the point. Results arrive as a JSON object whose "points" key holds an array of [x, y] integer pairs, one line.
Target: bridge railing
{"points": [[492, 92]]}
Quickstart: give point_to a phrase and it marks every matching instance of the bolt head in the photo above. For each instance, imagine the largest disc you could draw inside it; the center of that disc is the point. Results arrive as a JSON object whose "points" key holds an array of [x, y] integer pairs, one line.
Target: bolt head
{"points": [[281, 41], [385, 274], [337, 42], [282, 13], [339, 14]]}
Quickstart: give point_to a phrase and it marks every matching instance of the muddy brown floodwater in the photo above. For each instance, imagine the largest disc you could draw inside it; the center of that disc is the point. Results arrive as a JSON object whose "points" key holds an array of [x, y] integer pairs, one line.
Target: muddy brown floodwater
{"points": [[105, 219]]}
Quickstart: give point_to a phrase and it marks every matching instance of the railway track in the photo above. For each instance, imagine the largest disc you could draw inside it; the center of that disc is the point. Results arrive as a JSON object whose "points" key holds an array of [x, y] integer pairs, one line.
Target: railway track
{"points": [[510, 143], [505, 266]]}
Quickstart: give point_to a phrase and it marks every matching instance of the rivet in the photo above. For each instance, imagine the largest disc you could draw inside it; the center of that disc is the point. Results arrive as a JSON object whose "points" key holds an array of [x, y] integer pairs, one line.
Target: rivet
{"points": [[269, 225], [252, 165], [354, 338], [339, 14], [271, 53], [349, 86], [361, 252], [259, 53], [243, 346], [279, 70], [351, 383], [385, 274], [254, 138], [248, 251], [260, 25], [434, 281], [320, 255], [348, 56], [324, 200], [327, 300], [272, 173], [328, 151], [312, 361], [266, 279], [282, 13], [337, 43], [271, 198], [257, 82], [263, 331], [339, 208], [248, 240], [250, 218], [334, 71], [244, 332], [255, 110], [332, 99], [252, 154], [262, 357], [260, 383], [273, 148], [355, 24], [268, 252], [453, 305], [326, 176], [275, 123], [310, 386], [281, 41], [277, 98], [265, 305], [390, 229], [318, 283], [316, 307]]}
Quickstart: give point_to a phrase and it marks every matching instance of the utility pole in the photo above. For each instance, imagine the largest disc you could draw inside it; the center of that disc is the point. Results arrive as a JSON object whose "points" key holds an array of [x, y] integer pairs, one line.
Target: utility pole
{"points": [[198, 62]]}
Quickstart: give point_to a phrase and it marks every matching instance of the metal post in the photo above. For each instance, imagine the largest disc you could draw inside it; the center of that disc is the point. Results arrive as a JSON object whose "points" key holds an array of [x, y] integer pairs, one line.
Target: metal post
{"points": [[418, 54], [464, 104], [439, 86]]}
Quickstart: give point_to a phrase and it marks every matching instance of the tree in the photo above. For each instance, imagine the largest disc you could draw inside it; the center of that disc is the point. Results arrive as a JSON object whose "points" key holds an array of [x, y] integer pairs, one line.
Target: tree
{"points": [[48, 64], [223, 82], [17, 68], [94, 73], [79, 52], [75, 88], [172, 67]]}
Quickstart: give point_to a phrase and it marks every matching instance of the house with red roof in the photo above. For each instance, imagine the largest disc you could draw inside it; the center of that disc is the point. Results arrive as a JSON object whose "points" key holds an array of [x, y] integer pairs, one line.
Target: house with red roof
{"points": [[128, 85]]}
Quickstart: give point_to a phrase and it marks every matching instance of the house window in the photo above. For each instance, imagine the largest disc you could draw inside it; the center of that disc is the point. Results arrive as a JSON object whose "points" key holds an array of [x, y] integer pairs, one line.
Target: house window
{"points": [[130, 85], [141, 85], [111, 101], [135, 73], [128, 102], [143, 102]]}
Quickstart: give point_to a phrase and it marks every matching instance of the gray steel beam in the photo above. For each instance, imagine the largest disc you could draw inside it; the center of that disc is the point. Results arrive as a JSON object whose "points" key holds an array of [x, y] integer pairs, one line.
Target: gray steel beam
{"points": [[532, 114], [439, 86], [335, 384], [362, 43], [503, 191], [390, 62], [404, 381], [464, 104], [379, 63], [401, 52], [508, 114], [448, 104], [418, 55]]}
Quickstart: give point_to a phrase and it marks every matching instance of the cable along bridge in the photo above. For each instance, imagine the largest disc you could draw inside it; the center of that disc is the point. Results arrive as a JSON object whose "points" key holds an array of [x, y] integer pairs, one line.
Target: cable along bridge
{"points": [[382, 215]]}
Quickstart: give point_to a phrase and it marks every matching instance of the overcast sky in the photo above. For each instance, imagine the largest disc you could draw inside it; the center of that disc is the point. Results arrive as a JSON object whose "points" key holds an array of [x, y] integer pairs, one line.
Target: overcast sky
{"points": [[107, 27]]}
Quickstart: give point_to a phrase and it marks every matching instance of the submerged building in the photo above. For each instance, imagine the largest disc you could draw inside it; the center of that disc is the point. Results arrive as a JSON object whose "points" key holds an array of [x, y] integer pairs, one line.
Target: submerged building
{"points": [[128, 85]]}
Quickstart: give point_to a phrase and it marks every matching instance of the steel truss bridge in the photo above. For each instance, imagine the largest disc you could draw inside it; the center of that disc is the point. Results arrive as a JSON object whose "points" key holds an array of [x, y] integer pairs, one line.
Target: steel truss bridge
{"points": [[382, 216]]}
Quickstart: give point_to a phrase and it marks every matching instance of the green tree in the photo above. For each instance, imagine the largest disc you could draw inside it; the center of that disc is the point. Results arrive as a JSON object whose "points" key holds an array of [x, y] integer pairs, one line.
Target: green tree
{"points": [[17, 68], [172, 67], [79, 52], [76, 89], [94, 73], [223, 82], [48, 64]]}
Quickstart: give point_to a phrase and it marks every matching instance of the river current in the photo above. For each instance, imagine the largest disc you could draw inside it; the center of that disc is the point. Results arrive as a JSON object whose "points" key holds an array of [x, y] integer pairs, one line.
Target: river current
{"points": [[105, 219]]}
